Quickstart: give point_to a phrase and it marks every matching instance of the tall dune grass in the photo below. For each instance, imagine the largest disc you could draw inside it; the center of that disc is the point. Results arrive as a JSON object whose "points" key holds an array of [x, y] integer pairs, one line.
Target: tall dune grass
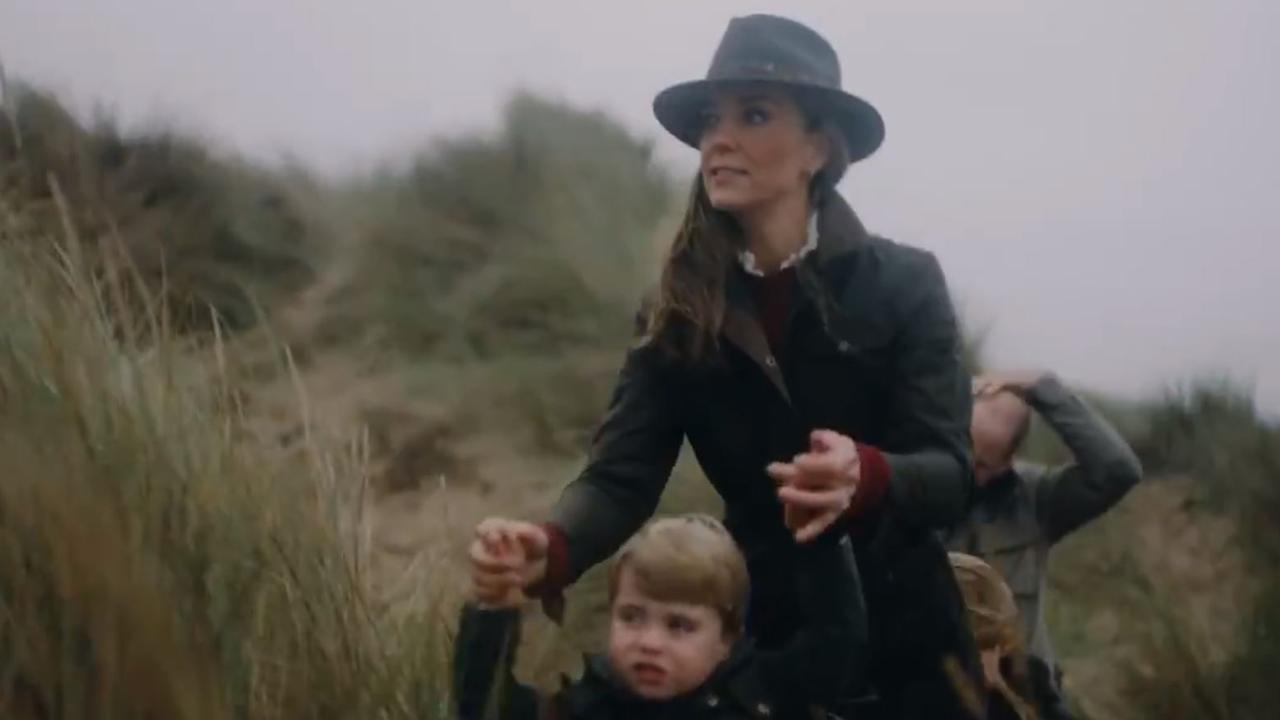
{"points": [[158, 560], [1167, 606], [165, 552]]}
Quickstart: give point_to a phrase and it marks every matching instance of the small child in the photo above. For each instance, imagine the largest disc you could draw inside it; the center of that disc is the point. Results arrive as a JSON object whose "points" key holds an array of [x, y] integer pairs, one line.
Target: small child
{"points": [[677, 602], [1012, 675]]}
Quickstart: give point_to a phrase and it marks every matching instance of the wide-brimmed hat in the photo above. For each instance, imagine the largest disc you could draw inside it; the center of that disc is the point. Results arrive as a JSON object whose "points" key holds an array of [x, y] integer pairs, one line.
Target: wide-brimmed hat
{"points": [[775, 51]]}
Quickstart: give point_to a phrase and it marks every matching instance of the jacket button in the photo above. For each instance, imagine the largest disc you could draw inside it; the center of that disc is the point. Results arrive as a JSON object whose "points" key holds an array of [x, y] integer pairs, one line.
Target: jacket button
{"points": [[770, 361], [764, 709], [712, 700], [844, 346]]}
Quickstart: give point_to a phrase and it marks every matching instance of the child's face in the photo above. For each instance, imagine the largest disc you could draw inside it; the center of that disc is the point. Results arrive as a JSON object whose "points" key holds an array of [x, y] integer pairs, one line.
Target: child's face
{"points": [[662, 649]]}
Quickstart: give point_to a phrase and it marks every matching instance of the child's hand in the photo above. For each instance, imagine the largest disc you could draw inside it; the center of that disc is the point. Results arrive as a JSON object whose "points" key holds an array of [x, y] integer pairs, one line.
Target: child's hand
{"points": [[501, 557]]}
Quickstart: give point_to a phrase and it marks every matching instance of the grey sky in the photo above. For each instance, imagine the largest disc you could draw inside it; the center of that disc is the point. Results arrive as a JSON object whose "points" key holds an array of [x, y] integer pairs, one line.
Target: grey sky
{"points": [[1099, 177]]}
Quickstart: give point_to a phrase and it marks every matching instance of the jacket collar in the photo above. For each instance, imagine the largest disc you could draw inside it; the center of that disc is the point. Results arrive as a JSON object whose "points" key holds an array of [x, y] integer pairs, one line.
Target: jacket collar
{"points": [[834, 230], [747, 259], [840, 233], [600, 687]]}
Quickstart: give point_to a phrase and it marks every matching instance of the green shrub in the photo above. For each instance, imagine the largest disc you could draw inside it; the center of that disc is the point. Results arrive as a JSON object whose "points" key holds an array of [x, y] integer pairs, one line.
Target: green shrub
{"points": [[203, 230], [534, 241]]}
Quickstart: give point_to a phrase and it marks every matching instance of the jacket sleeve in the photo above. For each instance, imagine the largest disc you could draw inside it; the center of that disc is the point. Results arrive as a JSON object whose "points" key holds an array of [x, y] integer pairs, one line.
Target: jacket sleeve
{"points": [[484, 653], [628, 466], [829, 651], [926, 443], [1103, 469]]}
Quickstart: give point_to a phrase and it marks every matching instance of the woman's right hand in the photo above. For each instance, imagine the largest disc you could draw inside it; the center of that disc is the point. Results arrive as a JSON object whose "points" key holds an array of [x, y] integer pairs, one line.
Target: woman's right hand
{"points": [[507, 556]]}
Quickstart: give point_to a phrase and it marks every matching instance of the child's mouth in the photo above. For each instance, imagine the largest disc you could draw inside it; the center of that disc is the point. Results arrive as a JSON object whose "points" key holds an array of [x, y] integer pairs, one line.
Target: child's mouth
{"points": [[648, 673]]}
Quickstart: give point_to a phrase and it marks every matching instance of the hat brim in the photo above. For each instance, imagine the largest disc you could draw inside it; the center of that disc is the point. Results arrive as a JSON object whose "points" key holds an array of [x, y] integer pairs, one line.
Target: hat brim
{"points": [[679, 109]]}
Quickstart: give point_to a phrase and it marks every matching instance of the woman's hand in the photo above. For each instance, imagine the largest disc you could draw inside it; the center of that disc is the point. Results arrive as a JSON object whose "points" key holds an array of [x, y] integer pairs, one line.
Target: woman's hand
{"points": [[506, 557], [816, 487]]}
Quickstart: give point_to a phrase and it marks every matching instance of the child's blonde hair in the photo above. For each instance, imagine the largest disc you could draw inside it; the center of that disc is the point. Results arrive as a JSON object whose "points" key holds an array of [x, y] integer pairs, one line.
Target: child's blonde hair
{"points": [[687, 559], [993, 617], [993, 614]]}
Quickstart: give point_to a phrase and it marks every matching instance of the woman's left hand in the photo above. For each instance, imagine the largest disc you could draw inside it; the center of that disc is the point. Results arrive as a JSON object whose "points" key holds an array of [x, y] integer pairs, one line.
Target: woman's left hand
{"points": [[817, 486]]}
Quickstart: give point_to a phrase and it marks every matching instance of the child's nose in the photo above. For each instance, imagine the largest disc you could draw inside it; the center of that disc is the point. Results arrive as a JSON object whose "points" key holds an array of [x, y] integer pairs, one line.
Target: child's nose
{"points": [[650, 637]]}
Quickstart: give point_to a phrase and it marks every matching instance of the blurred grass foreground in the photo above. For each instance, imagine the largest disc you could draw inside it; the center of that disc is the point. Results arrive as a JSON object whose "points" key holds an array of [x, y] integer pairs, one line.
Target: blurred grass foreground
{"points": [[248, 416]]}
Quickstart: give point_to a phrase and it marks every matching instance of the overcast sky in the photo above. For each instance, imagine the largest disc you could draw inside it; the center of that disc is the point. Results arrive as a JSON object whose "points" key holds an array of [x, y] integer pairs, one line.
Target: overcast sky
{"points": [[1099, 177]]}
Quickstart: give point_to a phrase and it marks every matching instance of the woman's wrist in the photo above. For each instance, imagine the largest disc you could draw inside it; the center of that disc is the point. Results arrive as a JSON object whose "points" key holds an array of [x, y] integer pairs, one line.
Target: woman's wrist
{"points": [[551, 574], [873, 480]]}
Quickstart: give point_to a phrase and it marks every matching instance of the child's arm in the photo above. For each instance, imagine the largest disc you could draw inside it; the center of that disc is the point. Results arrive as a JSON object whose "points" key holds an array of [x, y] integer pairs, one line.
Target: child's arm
{"points": [[484, 653], [828, 652]]}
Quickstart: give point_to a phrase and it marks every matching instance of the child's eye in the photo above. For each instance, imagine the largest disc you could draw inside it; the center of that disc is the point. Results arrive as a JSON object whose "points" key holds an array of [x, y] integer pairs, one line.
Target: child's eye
{"points": [[630, 615], [681, 625]]}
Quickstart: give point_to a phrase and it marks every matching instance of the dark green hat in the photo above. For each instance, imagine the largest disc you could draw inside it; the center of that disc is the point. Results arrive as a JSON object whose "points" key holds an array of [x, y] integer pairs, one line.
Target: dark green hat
{"points": [[776, 51]]}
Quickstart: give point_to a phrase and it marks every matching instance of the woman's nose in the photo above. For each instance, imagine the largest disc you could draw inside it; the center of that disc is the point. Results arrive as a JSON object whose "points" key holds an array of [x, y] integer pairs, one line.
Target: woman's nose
{"points": [[716, 137]]}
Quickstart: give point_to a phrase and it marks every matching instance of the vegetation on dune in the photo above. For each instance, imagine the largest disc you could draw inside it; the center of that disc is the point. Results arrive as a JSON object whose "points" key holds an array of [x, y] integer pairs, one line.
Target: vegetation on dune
{"points": [[533, 242], [209, 231], [159, 561], [1168, 606], [168, 550]]}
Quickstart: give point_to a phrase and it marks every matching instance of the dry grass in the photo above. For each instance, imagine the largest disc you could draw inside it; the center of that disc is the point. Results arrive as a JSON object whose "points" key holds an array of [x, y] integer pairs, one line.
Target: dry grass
{"points": [[207, 525], [209, 229], [1166, 607], [160, 560]]}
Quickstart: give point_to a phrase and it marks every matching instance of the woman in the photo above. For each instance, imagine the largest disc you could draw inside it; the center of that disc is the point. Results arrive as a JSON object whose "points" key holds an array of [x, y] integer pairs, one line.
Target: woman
{"points": [[814, 369]]}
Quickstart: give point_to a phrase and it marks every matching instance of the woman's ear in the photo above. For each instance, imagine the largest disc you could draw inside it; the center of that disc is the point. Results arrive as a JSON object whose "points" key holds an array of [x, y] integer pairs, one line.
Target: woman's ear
{"points": [[819, 151]]}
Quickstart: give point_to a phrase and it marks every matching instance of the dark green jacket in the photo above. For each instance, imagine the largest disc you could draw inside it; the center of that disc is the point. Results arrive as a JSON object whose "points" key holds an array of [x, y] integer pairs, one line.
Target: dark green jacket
{"points": [[829, 647], [872, 351], [1019, 516]]}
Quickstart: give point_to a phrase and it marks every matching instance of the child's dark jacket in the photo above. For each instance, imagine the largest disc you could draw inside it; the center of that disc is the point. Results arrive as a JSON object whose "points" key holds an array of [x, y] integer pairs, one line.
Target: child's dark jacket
{"points": [[821, 661]]}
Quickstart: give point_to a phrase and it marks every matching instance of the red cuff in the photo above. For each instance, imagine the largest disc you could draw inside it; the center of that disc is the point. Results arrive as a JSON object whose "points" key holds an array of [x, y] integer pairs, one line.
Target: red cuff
{"points": [[550, 589], [873, 483]]}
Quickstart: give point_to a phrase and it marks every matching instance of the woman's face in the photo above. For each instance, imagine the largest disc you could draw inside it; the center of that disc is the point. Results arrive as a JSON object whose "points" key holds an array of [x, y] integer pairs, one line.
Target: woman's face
{"points": [[757, 149]]}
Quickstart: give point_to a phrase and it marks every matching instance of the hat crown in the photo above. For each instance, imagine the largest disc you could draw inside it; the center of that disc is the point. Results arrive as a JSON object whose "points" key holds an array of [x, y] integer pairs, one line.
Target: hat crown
{"points": [[780, 52], [772, 48]]}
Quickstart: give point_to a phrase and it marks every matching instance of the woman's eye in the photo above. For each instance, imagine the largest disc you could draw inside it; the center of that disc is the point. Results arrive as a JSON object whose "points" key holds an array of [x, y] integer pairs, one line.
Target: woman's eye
{"points": [[708, 120], [630, 616], [755, 116]]}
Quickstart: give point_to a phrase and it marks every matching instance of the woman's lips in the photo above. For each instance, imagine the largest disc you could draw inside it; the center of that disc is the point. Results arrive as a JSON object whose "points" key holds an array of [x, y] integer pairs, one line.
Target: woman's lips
{"points": [[725, 174]]}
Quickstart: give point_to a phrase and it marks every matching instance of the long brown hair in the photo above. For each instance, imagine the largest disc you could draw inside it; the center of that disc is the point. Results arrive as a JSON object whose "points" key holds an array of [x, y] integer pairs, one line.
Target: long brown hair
{"points": [[688, 315]]}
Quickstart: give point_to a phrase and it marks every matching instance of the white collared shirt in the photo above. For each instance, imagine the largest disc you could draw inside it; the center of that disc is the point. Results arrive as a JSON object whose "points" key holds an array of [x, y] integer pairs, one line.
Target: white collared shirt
{"points": [[748, 259]]}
